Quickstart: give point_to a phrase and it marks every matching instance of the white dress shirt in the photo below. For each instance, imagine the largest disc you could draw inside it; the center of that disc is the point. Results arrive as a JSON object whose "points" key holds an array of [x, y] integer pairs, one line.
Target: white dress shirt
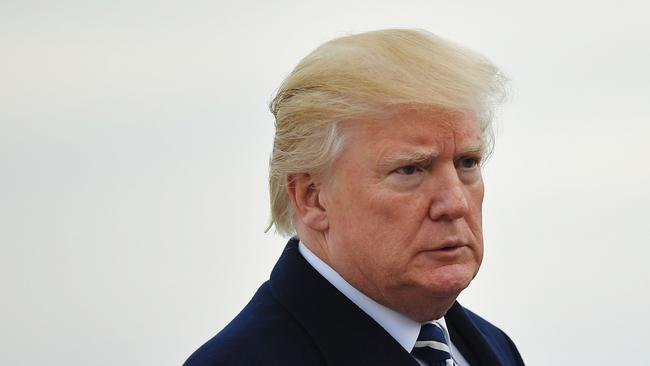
{"points": [[402, 328]]}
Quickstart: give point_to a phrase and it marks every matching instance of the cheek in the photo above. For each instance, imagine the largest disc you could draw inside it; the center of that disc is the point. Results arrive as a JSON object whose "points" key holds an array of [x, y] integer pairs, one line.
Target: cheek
{"points": [[394, 207], [474, 195], [368, 204], [395, 223], [384, 222], [475, 217]]}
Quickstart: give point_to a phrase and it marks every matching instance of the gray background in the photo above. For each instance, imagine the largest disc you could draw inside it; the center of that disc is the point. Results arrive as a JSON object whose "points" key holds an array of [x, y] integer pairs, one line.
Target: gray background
{"points": [[134, 140]]}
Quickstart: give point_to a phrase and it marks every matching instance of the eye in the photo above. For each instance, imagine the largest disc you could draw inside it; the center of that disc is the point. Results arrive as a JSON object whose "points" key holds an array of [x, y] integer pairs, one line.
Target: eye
{"points": [[468, 163], [406, 177], [408, 170]]}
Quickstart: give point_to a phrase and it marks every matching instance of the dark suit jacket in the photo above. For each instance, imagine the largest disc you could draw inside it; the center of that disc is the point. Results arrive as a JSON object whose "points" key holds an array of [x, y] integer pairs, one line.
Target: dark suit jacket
{"points": [[299, 318]]}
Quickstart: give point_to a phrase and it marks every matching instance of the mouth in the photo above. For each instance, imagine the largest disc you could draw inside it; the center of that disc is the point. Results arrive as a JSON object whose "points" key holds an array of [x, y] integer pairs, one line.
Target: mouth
{"points": [[451, 246]]}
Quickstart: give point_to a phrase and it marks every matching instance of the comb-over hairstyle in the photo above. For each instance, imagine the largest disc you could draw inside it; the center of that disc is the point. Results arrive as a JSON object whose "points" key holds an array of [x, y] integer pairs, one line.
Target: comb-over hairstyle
{"points": [[364, 76]]}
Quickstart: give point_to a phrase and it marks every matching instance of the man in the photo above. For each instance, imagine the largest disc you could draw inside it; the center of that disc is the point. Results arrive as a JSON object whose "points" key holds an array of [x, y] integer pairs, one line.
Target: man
{"points": [[376, 167]]}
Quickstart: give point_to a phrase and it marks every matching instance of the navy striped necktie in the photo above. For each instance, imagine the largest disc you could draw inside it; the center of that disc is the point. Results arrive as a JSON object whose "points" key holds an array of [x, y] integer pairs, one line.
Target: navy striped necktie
{"points": [[431, 346]]}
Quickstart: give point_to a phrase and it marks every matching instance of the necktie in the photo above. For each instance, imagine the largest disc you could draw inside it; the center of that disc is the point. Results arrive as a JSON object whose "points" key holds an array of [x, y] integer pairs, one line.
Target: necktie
{"points": [[431, 346]]}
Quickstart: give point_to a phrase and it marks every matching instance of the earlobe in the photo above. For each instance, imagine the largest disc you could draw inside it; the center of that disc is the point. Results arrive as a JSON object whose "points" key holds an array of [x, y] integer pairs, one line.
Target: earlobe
{"points": [[305, 192]]}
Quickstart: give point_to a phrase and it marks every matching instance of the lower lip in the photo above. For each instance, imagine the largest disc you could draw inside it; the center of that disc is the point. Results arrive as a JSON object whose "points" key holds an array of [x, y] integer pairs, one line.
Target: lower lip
{"points": [[448, 252]]}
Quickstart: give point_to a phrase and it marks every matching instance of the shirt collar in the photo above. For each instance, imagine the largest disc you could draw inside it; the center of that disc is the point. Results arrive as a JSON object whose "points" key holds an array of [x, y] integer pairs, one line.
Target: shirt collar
{"points": [[402, 328]]}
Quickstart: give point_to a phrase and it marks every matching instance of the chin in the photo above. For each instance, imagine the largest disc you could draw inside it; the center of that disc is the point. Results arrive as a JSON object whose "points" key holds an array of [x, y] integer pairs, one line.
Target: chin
{"points": [[450, 280]]}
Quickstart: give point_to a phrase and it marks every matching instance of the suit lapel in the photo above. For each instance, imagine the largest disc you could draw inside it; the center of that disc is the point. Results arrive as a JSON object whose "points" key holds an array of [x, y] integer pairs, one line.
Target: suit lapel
{"points": [[343, 332], [471, 342]]}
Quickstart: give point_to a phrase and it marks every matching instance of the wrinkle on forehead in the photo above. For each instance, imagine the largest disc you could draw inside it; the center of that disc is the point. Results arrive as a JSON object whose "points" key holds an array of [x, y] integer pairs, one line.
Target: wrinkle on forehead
{"points": [[443, 117]]}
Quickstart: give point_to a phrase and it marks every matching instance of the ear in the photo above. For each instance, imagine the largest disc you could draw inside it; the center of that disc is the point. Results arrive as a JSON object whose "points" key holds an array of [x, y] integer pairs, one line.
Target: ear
{"points": [[304, 191]]}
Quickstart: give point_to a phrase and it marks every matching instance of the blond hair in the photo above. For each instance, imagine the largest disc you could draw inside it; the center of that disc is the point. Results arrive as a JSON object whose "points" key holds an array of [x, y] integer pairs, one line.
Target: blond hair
{"points": [[360, 76]]}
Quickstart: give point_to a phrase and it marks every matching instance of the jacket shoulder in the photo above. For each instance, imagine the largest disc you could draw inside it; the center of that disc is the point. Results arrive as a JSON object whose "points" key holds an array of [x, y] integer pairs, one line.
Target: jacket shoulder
{"points": [[263, 333]]}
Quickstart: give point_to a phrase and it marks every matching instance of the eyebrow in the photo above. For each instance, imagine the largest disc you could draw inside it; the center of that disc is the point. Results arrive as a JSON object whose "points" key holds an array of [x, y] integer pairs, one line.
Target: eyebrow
{"points": [[411, 157], [474, 149], [424, 156]]}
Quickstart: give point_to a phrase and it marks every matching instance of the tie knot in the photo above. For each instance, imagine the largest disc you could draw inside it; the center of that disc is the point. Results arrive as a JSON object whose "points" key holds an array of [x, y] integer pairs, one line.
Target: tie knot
{"points": [[432, 331], [431, 346]]}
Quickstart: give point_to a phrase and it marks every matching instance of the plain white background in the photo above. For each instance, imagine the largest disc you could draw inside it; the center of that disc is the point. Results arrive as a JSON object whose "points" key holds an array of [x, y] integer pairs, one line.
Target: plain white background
{"points": [[134, 141]]}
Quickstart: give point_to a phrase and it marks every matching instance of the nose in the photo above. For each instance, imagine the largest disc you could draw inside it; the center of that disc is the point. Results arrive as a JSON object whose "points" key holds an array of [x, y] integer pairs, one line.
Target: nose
{"points": [[449, 200]]}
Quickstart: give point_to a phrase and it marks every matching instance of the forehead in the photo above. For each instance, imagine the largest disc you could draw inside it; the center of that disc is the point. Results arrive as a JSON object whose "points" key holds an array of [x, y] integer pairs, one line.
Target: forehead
{"points": [[417, 126]]}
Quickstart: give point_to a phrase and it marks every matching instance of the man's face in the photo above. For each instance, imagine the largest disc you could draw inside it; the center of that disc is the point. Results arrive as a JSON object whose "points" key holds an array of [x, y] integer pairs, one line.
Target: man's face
{"points": [[403, 201]]}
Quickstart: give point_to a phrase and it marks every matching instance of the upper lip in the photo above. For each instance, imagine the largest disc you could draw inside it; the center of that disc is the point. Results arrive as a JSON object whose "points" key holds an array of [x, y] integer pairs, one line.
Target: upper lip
{"points": [[449, 244]]}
